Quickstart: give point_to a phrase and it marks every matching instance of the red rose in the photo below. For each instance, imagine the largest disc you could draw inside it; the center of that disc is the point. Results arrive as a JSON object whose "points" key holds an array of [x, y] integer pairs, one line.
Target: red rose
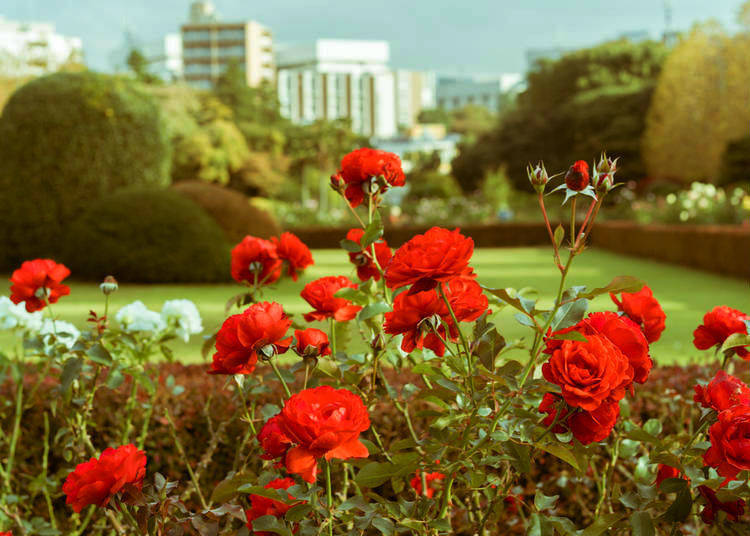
{"points": [[272, 439], [730, 448], [666, 471], [512, 502], [294, 253], [98, 480], [586, 426], [320, 294], [311, 342], [435, 257], [733, 509], [417, 316], [621, 331], [718, 325], [577, 177], [322, 422], [261, 328], [366, 267], [643, 309], [723, 392], [38, 283], [589, 372], [361, 169], [255, 261], [416, 483], [264, 506]]}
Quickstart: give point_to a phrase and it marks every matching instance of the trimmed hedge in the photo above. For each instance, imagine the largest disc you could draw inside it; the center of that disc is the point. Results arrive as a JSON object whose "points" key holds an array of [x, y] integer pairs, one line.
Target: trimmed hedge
{"points": [[148, 236], [231, 210], [67, 140]]}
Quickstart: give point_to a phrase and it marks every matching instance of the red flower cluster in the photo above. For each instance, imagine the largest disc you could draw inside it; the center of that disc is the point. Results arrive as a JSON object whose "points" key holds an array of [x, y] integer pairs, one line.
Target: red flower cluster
{"points": [[643, 309], [258, 262], [38, 283], [261, 328], [423, 262], [311, 342], [422, 317], [730, 450], [321, 295], [363, 260], [718, 325], [265, 506], [723, 392], [321, 422], [665, 472], [368, 172], [577, 177], [98, 480], [733, 509], [593, 375]]}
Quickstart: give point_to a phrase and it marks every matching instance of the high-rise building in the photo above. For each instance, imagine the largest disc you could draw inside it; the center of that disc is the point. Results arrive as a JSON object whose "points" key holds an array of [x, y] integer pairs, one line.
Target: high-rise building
{"points": [[335, 79], [34, 48], [415, 91], [456, 93], [165, 57], [210, 45]]}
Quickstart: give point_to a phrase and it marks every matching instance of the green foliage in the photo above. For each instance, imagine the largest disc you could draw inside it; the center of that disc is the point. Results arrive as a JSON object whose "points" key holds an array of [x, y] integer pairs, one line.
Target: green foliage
{"points": [[68, 139], [587, 100], [147, 236], [321, 144], [138, 63], [735, 166], [434, 115], [232, 211]]}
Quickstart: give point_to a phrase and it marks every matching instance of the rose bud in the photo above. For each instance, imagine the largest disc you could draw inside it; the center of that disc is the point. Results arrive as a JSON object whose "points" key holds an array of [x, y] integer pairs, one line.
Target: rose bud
{"points": [[577, 177], [538, 176], [311, 343], [337, 183], [109, 285]]}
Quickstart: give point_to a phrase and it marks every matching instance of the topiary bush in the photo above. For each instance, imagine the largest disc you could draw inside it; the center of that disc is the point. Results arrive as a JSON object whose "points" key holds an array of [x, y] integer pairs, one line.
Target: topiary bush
{"points": [[231, 210], [68, 139], [148, 236]]}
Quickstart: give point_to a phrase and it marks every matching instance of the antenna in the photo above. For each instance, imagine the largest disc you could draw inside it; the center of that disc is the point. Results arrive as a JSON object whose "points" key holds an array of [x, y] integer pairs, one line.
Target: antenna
{"points": [[667, 18]]}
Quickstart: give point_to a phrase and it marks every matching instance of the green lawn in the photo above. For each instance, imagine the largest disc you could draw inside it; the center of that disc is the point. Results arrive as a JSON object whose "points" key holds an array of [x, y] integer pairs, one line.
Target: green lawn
{"points": [[685, 294]]}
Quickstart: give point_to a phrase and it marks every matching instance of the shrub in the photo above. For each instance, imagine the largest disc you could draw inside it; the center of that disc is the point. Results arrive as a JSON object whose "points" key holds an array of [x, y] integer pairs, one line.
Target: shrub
{"points": [[431, 183], [147, 236], [231, 210], [735, 165], [68, 139]]}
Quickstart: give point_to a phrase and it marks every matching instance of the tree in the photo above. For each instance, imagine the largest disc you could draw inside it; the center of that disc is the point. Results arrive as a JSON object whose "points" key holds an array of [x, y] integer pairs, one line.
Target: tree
{"points": [[138, 64], [700, 104], [574, 107]]}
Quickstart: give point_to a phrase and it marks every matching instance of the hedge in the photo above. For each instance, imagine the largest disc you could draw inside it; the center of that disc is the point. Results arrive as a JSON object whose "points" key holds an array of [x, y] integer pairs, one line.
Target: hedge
{"points": [[67, 140], [148, 236]]}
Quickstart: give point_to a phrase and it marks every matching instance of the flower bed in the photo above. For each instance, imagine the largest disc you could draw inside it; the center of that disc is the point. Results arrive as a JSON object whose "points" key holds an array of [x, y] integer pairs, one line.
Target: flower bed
{"points": [[408, 412]]}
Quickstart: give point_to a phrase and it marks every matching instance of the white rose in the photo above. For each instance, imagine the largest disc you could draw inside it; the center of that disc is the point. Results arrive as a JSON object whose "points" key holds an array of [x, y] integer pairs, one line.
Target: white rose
{"points": [[183, 316], [137, 317]]}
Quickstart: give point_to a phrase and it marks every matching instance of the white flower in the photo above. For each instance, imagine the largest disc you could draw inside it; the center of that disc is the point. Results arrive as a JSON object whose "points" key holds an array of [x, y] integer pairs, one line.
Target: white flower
{"points": [[183, 316], [15, 316], [67, 333], [136, 317]]}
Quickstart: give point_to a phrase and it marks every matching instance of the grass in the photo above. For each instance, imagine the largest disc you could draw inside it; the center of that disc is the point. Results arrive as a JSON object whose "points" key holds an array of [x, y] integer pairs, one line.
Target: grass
{"points": [[686, 295]]}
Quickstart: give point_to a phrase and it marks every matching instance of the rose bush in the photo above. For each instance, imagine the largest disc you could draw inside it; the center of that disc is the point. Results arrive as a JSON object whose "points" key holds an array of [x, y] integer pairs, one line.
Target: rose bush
{"points": [[402, 408]]}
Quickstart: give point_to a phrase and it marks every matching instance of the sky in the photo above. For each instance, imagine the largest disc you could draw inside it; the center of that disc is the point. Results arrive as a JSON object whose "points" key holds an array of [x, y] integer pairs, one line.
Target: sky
{"points": [[459, 37]]}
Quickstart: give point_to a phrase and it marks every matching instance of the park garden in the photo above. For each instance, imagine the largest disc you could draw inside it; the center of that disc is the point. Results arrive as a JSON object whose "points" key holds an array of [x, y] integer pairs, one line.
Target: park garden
{"points": [[218, 322]]}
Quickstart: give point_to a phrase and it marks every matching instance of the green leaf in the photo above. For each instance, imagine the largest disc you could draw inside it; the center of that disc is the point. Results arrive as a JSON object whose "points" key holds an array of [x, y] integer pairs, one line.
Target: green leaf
{"points": [[384, 525], [353, 295], [642, 524], [489, 345], [374, 474], [226, 489], [297, 513], [571, 336], [559, 235], [601, 525], [270, 524], [99, 354], [269, 493], [735, 340], [653, 427], [71, 369], [520, 456], [544, 502], [373, 231], [621, 283], [350, 245], [562, 452], [569, 314], [373, 309], [505, 295], [679, 510]]}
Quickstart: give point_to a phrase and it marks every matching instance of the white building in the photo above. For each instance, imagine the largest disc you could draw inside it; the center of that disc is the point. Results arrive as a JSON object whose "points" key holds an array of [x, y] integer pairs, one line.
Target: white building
{"points": [[336, 79], [456, 93], [165, 57], [415, 91], [35, 48]]}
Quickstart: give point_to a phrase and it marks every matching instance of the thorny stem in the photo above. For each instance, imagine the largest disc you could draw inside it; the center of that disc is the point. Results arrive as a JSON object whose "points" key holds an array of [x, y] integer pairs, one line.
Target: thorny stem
{"points": [[461, 335], [45, 461], [573, 220], [15, 434], [129, 409], [329, 497], [147, 421], [86, 521], [332, 336], [549, 230], [585, 221], [181, 450]]}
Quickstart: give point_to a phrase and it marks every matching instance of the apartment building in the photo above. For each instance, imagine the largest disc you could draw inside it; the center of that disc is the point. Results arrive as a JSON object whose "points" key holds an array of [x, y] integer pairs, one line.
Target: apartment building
{"points": [[35, 48], [209, 45]]}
